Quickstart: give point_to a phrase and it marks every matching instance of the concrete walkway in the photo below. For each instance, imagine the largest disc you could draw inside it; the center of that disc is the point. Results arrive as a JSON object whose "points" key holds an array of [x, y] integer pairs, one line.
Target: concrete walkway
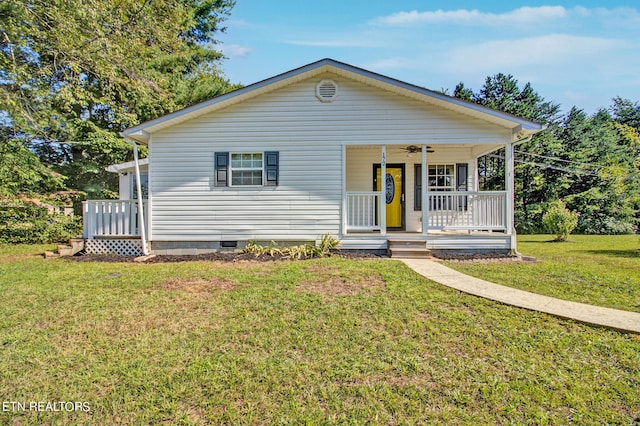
{"points": [[606, 317]]}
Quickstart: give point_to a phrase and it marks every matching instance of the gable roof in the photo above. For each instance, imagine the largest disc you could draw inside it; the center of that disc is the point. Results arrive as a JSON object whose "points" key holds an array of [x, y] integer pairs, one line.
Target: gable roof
{"points": [[521, 127]]}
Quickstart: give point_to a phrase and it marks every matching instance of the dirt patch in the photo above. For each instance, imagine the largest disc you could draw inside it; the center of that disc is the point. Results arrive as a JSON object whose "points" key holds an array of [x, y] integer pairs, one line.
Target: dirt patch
{"points": [[337, 283], [198, 285]]}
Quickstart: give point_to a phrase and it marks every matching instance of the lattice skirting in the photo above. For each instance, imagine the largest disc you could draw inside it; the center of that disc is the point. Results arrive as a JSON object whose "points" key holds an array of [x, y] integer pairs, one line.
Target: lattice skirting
{"points": [[119, 247]]}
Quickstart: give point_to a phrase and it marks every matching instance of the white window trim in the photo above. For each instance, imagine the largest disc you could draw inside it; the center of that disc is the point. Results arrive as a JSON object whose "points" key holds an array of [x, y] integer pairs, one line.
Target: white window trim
{"points": [[231, 169]]}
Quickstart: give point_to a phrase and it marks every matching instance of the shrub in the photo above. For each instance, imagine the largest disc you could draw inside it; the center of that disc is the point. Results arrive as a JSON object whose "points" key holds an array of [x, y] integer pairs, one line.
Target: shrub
{"points": [[558, 220], [27, 223]]}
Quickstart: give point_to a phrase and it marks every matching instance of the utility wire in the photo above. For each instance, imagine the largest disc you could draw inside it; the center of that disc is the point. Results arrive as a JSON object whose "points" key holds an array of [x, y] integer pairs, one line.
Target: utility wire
{"points": [[559, 159], [548, 166]]}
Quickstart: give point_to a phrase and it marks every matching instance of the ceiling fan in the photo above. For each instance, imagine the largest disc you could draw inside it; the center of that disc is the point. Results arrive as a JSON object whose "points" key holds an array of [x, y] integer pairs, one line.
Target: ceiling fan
{"points": [[412, 149]]}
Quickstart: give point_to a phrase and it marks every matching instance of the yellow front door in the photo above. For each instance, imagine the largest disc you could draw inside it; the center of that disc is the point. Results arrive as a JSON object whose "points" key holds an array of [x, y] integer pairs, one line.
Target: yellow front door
{"points": [[394, 194]]}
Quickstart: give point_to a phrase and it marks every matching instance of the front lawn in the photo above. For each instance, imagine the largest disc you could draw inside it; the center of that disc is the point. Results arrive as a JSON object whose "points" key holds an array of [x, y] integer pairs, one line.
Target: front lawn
{"points": [[328, 341], [596, 269]]}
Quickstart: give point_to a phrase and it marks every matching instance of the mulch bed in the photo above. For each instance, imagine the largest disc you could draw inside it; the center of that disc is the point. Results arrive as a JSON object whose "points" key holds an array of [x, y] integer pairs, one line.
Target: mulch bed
{"points": [[223, 257], [483, 257], [239, 257]]}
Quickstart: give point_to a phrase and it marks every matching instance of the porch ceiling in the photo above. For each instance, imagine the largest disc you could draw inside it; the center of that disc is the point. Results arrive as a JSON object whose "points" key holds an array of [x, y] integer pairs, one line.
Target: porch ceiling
{"points": [[477, 150]]}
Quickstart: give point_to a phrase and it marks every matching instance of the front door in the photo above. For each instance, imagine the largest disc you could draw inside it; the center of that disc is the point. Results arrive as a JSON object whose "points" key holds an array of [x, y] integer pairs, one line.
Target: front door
{"points": [[393, 193]]}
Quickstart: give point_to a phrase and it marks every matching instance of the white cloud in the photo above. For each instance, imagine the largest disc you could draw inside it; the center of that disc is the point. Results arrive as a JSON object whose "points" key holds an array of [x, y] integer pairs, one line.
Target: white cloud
{"points": [[548, 49], [390, 63], [521, 16], [235, 50], [343, 42]]}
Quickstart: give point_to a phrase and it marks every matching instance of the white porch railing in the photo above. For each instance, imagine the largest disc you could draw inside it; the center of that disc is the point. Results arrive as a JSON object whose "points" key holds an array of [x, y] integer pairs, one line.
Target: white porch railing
{"points": [[448, 210], [362, 211], [466, 210], [111, 218]]}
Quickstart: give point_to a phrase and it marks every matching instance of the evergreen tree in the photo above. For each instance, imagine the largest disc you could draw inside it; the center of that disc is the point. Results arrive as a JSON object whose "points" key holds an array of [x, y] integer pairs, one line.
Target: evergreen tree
{"points": [[592, 162], [73, 74]]}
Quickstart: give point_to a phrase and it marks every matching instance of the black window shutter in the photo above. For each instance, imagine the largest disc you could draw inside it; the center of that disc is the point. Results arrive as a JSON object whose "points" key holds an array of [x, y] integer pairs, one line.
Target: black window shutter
{"points": [[221, 169], [461, 176], [462, 173], [272, 164]]}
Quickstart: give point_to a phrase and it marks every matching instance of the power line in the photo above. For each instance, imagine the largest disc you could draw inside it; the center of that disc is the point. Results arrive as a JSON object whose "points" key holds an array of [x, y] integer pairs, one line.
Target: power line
{"points": [[559, 159], [549, 166]]}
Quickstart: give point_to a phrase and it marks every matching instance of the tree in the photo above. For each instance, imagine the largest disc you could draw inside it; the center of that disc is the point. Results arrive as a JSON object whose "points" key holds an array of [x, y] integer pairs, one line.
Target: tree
{"points": [[592, 162], [73, 74], [22, 172], [502, 92], [560, 221], [626, 112]]}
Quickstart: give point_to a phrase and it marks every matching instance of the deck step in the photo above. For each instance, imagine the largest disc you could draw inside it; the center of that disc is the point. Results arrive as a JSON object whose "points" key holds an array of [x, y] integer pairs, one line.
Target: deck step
{"points": [[408, 249], [75, 245]]}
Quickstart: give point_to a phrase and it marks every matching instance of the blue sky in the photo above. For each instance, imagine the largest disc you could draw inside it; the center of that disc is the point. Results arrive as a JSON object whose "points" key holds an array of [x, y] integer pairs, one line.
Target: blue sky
{"points": [[573, 53]]}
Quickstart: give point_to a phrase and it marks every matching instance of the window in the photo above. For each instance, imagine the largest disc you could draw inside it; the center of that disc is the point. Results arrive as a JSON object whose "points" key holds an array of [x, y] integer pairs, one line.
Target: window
{"points": [[246, 169], [144, 185], [441, 177]]}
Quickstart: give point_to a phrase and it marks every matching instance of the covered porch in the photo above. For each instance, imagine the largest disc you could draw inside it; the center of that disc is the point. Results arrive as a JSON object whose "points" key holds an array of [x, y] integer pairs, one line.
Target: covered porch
{"points": [[455, 214]]}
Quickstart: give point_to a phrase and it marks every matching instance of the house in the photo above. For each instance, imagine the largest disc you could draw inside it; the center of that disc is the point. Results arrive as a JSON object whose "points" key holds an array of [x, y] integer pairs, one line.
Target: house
{"points": [[325, 148]]}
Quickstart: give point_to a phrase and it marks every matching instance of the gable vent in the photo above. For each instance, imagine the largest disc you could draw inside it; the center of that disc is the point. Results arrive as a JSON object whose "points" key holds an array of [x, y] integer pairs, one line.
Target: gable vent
{"points": [[327, 90]]}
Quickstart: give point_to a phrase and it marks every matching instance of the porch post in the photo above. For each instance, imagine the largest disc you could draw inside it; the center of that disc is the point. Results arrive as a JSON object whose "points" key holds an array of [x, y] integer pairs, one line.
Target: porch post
{"points": [[141, 218], [510, 196], [424, 193], [343, 177], [383, 192]]}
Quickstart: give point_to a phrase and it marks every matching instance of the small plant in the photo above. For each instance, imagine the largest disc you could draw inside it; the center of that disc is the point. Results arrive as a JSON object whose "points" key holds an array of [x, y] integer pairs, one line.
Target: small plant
{"points": [[327, 243], [252, 247], [559, 220], [302, 251], [258, 250]]}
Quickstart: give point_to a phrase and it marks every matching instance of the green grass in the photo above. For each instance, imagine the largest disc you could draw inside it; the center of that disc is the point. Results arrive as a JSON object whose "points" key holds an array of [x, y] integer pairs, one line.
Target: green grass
{"points": [[599, 270], [327, 341]]}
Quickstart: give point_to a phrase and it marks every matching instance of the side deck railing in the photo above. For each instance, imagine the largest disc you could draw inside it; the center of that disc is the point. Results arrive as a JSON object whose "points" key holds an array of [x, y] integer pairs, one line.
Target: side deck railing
{"points": [[111, 218]]}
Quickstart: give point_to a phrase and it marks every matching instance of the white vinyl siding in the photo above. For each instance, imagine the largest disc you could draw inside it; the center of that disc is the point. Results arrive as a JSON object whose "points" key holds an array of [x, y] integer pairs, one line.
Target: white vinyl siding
{"points": [[308, 135]]}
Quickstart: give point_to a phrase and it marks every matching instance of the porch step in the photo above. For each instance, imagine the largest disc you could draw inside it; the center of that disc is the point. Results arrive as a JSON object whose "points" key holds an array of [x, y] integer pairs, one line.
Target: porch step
{"points": [[408, 249]]}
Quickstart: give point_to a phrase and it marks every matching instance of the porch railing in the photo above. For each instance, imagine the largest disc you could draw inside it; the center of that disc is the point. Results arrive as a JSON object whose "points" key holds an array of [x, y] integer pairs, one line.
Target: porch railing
{"points": [[362, 211], [448, 210], [103, 218], [466, 210]]}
